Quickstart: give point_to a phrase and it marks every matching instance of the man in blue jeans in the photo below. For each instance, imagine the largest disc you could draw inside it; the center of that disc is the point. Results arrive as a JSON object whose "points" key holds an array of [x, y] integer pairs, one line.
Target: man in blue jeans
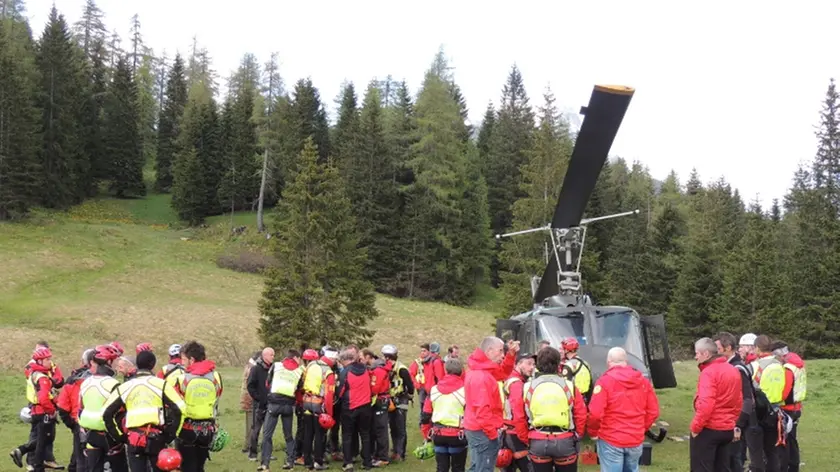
{"points": [[622, 408]]}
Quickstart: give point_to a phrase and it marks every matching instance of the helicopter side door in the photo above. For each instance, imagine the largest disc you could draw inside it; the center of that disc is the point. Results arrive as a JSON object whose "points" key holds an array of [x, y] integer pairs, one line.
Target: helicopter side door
{"points": [[657, 352], [507, 329]]}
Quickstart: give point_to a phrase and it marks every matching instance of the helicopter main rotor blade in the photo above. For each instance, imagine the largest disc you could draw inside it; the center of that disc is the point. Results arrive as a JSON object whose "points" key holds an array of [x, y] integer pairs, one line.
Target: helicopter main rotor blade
{"points": [[602, 118]]}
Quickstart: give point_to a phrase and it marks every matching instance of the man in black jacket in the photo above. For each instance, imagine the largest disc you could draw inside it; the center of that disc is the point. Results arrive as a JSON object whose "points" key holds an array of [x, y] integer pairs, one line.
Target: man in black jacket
{"points": [[727, 347], [258, 390]]}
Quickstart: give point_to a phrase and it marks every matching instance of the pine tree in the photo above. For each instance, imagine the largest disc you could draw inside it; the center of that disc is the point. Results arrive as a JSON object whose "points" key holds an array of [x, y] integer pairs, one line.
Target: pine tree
{"points": [[308, 118], [239, 186], [121, 134], [169, 124], [318, 294], [371, 188], [147, 107], [92, 119], [19, 141], [273, 92], [662, 258], [542, 177], [189, 192], [347, 128], [485, 135], [67, 176], [512, 137]]}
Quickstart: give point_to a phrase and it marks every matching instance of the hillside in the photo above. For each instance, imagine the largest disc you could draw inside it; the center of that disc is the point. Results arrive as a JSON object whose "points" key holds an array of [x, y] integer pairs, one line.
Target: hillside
{"points": [[123, 269]]}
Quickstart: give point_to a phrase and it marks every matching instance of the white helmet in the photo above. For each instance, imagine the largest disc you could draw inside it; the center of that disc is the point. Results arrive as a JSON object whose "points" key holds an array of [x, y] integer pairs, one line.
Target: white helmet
{"points": [[26, 414], [389, 349], [174, 350], [747, 340]]}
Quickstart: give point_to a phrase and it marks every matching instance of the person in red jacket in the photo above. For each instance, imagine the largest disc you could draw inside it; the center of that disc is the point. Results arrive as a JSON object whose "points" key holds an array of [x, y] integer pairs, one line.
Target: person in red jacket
{"points": [[717, 406], [356, 412], [380, 371], [484, 412], [58, 381], [68, 408], [443, 424], [516, 422], [43, 412], [622, 408]]}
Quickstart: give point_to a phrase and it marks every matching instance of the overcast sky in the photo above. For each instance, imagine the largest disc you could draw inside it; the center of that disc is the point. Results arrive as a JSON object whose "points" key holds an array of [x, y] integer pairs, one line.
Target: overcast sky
{"points": [[731, 88]]}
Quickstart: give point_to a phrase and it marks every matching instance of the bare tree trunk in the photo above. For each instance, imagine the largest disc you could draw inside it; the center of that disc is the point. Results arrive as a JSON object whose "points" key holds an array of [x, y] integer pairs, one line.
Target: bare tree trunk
{"points": [[260, 223]]}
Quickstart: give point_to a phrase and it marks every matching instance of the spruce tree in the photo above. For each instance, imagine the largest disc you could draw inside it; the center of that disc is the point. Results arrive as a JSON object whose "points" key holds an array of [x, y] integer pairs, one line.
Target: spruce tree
{"points": [[147, 106], [19, 141], [307, 117], [122, 136], [485, 135], [189, 193], [372, 190], [169, 124], [66, 170], [347, 127], [317, 294], [92, 119]]}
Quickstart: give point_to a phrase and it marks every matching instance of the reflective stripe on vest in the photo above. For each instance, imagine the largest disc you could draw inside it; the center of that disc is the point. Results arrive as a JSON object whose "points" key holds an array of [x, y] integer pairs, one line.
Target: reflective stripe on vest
{"points": [[420, 377], [397, 387], [285, 381], [581, 374], [448, 408], [506, 397], [143, 399], [551, 405], [769, 377], [315, 379], [800, 382], [200, 395], [93, 393]]}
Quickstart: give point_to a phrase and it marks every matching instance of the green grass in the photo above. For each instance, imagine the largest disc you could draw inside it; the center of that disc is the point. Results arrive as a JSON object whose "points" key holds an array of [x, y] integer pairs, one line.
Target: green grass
{"points": [[125, 269]]}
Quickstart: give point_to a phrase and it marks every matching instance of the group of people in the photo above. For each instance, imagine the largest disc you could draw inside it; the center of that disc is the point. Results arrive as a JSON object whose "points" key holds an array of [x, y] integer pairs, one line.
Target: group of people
{"points": [[515, 410], [353, 392], [121, 412], [748, 402]]}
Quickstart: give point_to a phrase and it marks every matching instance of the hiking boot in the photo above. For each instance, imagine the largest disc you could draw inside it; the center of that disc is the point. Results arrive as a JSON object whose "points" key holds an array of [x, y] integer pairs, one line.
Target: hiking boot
{"points": [[288, 466], [53, 465], [17, 457], [262, 468], [300, 461], [252, 457], [318, 466], [380, 463], [347, 468]]}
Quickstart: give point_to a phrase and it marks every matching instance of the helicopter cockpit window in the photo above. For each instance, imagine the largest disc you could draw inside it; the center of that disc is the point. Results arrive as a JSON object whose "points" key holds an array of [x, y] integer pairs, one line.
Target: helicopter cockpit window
{"points": [[619, 329], [557, 328]]}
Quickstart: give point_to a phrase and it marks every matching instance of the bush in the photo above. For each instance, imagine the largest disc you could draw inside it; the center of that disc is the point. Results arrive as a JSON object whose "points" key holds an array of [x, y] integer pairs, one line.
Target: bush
{"points": [[246, 260]]}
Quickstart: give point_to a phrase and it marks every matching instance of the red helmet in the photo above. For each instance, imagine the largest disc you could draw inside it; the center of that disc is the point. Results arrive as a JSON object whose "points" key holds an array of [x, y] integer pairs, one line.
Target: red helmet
{"points": [[310, 355], [144, 347], [570, 344], [169, 459], [504, 458], [118, 347], [41, 353], [106, 352], [326, 421]]}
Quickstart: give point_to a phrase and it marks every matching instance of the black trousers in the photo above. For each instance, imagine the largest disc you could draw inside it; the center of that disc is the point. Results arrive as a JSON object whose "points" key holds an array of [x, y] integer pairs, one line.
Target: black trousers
{"points": [[145, 459], [195, 449], [37, 449], [299, 432], [356, 423], [739, 453], [761, 444], [334, 443], [256, 426], [77, 459], [379, 430], [709, 451], [513, 443], [96, 454], [789, 454], [397, 424], [313, 433], [450, 453]]}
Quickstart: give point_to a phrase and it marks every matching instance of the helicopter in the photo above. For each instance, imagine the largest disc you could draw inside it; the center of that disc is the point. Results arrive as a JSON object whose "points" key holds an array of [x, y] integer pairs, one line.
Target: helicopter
{"points": [[560, 308]]}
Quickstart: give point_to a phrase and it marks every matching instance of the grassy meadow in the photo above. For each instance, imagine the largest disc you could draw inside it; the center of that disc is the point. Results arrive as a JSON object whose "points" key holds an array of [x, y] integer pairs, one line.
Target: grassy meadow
{"points": [[125, 269]]}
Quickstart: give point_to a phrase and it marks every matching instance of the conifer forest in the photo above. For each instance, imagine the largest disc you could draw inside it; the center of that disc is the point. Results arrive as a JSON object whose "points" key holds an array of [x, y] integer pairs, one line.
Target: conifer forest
{"points": [[399, 194]]}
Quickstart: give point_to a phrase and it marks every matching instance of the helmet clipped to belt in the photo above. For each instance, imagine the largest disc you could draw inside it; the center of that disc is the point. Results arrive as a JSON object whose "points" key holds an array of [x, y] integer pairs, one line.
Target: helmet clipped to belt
{"points": [[26, 414], [425, 451], [220, 440], [169, 459]]}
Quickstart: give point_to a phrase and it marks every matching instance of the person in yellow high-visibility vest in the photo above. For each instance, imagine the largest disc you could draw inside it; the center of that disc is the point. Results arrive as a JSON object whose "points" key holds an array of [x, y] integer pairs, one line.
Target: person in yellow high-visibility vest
{"points": [[318, 394], [285, 379], [577, 369], [93, 393], [442, 418], [201, 386], [154, 414], [768, 376]]}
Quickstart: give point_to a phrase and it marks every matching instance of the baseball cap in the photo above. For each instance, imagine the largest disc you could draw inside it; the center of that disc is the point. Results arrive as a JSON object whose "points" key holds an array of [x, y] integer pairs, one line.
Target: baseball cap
{"points": [[525, 355]]}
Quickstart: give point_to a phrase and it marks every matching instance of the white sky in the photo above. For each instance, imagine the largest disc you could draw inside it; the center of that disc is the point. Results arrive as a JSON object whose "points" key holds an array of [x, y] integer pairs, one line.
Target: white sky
{"points": [[731, 88]]}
